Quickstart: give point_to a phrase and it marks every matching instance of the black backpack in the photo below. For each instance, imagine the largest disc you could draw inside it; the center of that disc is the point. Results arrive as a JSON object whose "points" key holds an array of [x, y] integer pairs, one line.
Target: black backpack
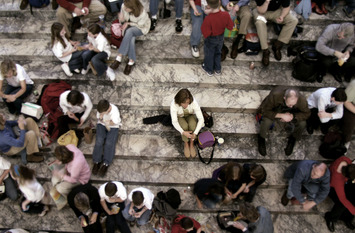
{"points": [[305, 64], [37, 4], [332, 146]]}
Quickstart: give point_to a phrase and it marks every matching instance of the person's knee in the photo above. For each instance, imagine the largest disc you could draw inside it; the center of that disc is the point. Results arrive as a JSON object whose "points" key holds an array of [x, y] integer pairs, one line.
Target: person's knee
{"points": [[30, 134], [302, 124], [99, 140], [141, 221]]}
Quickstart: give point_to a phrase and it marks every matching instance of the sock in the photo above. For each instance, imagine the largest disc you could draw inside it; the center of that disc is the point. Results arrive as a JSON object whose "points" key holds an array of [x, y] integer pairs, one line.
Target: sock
{"points": [[154, 17], [130, 63], [118, 58]]}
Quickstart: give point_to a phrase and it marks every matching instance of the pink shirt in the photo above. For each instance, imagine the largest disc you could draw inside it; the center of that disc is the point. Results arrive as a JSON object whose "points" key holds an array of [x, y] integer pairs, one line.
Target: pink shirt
{"points": [[78, 170]]}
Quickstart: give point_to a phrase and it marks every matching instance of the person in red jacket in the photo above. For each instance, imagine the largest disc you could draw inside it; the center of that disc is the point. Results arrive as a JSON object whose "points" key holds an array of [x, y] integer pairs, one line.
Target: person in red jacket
{"points": [[342, 171], [183, 224], [81, 10]]}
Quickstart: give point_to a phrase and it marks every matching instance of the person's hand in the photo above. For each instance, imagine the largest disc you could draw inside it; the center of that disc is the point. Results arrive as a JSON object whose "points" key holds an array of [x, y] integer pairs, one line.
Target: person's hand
{"points": [[234, 196], [280, 19], [199, 205], [286, 117], [93, 218], [187, 134], [24, 206], [81, 122], [91, 47], [235, 8], [82, 222], [138, 214], [78, 11], [72, 116], [10, 98], [246, 190], [346, 55], [338, 54], [193, 136], [124, 26], [75, 43], [74, 49], [196, 13], [131, 211], [324, 114], [86, 10], [238, 225], [21, 124], [307, 205]]}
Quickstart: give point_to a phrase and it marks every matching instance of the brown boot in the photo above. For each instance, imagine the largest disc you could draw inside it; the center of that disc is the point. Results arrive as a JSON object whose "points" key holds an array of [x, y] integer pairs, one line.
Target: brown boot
{"points": [[224, 53], [23, 4], [234, 52], [266, 57], [277, 46], [35, 157], [128, 69], [115, 65]]}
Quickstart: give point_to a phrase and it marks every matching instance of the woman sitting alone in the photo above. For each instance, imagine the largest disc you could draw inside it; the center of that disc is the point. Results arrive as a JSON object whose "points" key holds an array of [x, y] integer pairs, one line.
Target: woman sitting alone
{"points": [[66, 50], [19, 85], [184, 110], [136, 22]]}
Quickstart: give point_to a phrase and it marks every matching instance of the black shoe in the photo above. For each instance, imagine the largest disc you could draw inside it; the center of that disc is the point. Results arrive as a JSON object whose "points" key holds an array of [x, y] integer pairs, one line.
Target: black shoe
{"points": [[310, 129], [290, 144], [349, 225], [224, 53], [261, 145], [178, 27], [330, 225], [347, 78], [95, 168], [153, 24], [320, 78], [337, 77], [54, 4], [103, 170], [23, 4], [284, 199]]}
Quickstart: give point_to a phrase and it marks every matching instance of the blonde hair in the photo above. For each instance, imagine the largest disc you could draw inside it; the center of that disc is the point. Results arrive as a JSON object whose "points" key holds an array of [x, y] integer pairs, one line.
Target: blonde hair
{"points": [[6, 66]]}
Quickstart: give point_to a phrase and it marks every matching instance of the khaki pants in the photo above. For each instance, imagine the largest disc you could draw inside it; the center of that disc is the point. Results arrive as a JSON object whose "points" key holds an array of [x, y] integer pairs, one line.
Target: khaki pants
{"points": [[65, 17], [187, 123], [245, 16], [289, 24], [31, 139], [63, 187]]}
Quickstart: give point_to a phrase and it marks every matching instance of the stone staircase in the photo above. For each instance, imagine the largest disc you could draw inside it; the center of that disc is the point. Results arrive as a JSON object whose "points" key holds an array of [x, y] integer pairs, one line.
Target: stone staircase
{"points": [[151, 155]]}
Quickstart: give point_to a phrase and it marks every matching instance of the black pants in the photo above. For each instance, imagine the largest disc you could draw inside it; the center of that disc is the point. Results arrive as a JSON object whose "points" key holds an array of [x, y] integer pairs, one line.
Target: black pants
{"points": [[64, 121], [93, 228], [330, 64], [251, 194], [348, 125], [117, 220], [315, 122], [339, 211]]}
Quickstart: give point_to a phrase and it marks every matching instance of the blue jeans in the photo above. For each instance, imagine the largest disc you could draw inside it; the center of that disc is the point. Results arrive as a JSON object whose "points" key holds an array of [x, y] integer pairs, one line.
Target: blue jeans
{"points": [[76, 61], [142, 220], [128, 45], [105, 144], [15, 107], [213, 49], [154, 4], [97, 59], [350, 5], [10, 188], [196, 33], [212, 200], [116, 220], [312, 190]]}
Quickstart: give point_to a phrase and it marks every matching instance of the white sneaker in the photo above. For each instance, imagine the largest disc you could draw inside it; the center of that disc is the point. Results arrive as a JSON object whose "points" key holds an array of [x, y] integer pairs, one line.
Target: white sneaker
{"points": [[85, 71], [66, 69], [195, 51], [110, 74]]}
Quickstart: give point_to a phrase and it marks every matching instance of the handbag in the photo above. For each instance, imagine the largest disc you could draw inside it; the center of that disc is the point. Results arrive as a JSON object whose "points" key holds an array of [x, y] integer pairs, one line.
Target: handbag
{"points": [[208, 119], [68, 138], [232, 33], [116, 33], [88, 135], [204, 140]]}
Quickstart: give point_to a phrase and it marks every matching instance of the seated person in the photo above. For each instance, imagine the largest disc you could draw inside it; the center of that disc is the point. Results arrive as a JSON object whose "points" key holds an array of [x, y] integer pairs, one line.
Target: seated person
{"points": [[335, 46], [7, 181], [140, 206], [231, 175], [208, 192], [109, 121], [19, 85], [348, 120], [75, 172], [183, 224], [187, 118], [259, 219], [85, 11], [311, 175], [326, 105], [112, 197], [290, 107], [76, 107], [254, 175], [27, 144], [85, 202], [32, 190], [342, 171]]}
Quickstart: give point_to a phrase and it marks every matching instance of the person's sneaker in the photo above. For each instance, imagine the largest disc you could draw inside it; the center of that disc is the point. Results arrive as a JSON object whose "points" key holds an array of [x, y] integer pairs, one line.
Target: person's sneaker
{"points": [[284, 199], [35, 157], [217, 72], [319, 78], [207, 72], [110, 74], [115, 65], [261, 145], [66, 69], [290, 144], [23, 4], [153, 24], [178, 27], [309, 129], [195, 51], [103, 170], [92, 68], [85, 71], [95, 168], [266, 57]]}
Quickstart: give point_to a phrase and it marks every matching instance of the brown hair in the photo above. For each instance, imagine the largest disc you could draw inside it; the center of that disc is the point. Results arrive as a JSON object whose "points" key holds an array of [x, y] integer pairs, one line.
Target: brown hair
{"points": [[182, 96], [96, 29], [22, 173], [349, 171], [232, 171], [249, 211], [110, 189], [135, 5], [214, 4], [55, 30], [186, 223], [76, 98], [81, 201], [258, 172], [63, 154], [6, 66], [137, 198], [103, 106]]}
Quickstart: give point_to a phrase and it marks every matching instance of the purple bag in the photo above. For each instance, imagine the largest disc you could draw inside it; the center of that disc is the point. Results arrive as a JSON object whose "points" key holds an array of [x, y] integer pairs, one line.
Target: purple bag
{"points": [[205, 139]]}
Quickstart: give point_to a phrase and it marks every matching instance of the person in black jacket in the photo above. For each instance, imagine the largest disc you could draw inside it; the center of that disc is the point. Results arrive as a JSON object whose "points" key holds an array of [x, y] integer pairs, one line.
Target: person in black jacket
{"points": [[85, 202]]}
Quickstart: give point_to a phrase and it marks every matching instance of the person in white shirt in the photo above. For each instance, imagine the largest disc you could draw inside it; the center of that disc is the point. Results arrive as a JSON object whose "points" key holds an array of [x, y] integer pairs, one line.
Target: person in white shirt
{"points": [[325, 104], [76, 107], [112, 197], [66, 50], [109, 121], [97, 52], [140, 206], [19, 85], [184, 110], [6, 180]]}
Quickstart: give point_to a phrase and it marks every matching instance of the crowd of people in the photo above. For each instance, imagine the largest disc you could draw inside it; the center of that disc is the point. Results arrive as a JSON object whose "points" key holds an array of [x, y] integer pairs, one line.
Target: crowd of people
{"points": [[309, 181]]}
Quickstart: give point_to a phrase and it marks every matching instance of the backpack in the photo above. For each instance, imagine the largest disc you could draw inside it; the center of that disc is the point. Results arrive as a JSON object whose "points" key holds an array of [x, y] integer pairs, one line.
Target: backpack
{"points": [[116, 33], [251, 44], [305, 64], [165, 204], [332, 146], [49, 100], [38, 4]]}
